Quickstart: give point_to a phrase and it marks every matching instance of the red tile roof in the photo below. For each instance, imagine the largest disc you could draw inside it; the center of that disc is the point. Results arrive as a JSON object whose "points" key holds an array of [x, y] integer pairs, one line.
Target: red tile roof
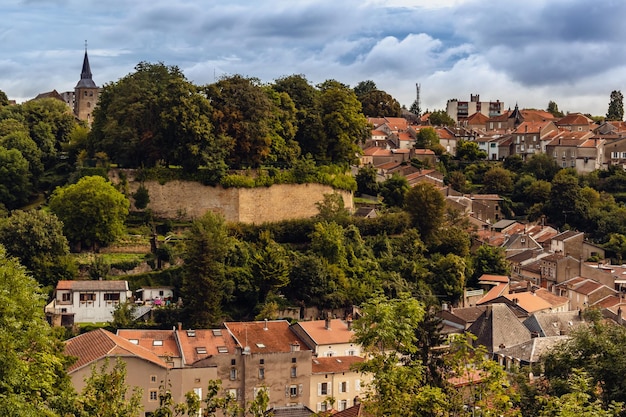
{"points": [[84, 285], [272, 336], [338, 332], [495, 292], [97, 344], [146, 339], [334, 364]]}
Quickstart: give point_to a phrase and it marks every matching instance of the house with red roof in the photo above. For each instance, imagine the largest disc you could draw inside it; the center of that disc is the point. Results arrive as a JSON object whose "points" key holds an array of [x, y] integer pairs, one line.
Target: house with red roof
{"points": [[86, 301], [328, 337], [528, 137], [144, 368], [335, 377]]}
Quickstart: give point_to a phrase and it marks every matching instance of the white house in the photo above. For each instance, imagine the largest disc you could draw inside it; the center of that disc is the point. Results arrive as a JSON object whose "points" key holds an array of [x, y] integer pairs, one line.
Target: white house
{"points": [[86, 301]]}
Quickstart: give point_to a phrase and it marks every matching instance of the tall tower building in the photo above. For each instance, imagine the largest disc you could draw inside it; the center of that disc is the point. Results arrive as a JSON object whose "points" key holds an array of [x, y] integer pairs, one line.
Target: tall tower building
{"points": [[85, 93]]}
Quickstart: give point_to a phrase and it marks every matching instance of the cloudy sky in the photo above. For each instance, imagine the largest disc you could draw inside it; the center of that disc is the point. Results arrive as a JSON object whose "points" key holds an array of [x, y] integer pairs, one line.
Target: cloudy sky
{"points": [[527, 52]]}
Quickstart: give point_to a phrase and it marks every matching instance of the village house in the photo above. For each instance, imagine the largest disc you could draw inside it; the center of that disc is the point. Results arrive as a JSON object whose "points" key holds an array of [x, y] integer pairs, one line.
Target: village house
{"points": [[329, 337], [334, 377], [86, 301]]}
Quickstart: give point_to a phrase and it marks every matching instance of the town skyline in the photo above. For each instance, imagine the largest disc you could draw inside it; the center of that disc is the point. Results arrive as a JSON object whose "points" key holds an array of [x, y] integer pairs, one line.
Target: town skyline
{"points": [[567, 52]]}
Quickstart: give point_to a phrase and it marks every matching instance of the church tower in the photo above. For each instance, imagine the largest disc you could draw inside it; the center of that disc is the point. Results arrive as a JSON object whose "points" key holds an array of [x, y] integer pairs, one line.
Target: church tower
{"points": [[85, 93]]}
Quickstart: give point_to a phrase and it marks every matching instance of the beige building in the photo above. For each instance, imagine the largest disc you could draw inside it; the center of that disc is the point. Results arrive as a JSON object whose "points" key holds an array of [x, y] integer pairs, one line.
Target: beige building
{"points": [[328, 338], [334, 383], [461, 110]]}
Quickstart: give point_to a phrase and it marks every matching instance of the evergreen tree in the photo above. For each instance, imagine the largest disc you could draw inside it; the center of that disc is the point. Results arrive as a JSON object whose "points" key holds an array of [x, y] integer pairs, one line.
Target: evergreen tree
{"points": [[616, 106]]}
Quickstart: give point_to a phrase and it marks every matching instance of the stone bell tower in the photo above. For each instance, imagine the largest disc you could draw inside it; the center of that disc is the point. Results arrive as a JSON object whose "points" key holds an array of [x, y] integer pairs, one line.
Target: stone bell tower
{"points": [[85, 93]]}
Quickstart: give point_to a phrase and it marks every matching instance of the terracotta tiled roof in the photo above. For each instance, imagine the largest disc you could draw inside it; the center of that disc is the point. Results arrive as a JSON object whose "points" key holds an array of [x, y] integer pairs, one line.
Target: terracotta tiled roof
{"points": [[376, 151], [272, 336], [529, 301], [477, 119], [377, 132], [397, 124], [423, 152], [567, 235], [531, 127], [97, 344], [495, 292], [357, 410], [388, 165], [334, 364], [552, 299], [574, 119], [338, 332], [160, 342], [494, 278], [93, 285], [404, 136], [444, 134], [200, 343]]}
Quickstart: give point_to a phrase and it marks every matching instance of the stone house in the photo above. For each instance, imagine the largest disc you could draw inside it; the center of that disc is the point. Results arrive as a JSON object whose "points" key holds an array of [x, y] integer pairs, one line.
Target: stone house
{"points": [[528, 137], [334, 377], [328, 337]]}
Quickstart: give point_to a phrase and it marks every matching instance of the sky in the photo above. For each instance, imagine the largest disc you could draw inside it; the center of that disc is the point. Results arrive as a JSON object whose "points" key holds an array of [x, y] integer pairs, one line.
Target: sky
{"points": [[525, 52]]}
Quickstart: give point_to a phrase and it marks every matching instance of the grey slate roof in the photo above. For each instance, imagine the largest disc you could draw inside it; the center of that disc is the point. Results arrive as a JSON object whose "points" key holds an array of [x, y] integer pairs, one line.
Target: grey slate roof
{"points": [[547, 324], [531, 351], [498, 327]]}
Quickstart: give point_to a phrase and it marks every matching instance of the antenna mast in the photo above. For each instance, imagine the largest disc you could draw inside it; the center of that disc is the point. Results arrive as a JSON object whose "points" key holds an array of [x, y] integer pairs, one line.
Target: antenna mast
{"points": [[417, 98]]}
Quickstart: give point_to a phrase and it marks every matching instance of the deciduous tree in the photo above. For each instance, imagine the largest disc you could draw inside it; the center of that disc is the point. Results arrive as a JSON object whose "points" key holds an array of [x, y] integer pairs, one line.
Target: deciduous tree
{"points": [[426, 206], [93, 211]]}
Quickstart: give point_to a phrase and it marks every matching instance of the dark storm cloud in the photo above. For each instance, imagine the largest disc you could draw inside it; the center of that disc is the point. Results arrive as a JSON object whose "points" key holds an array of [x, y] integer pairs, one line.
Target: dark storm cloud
{"points": [[542, 43]]}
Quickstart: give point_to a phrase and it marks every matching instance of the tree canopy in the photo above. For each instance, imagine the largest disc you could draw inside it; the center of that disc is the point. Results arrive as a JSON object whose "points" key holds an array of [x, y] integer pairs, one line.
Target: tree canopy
{"points": [[93, 211], [616, 106]]}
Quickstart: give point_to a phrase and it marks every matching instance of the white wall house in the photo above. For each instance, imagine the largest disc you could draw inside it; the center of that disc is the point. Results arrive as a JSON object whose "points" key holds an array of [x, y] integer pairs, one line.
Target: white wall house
{"points": [[86, 301]]}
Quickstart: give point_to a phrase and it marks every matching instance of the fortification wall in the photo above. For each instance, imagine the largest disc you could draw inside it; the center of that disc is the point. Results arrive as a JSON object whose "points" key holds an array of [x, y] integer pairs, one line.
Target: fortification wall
{"points": [[189, 200]]}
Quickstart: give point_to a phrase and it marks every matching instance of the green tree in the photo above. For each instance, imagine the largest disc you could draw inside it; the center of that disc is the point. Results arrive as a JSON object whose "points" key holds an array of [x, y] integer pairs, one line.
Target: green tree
{"points": [[441, 118], [343, 123], [4, 100], [415, 108], [141, 197], [364, 87], [15, 178], [596, 350], [155, 116], [426, 206], [328, 241], [332, 208], [489, 260], [33, 380], [458, 181], [579, 401], [426, 138], [387, 334], [553, 109], [243, 111], [206, 248], [542, 166], [23, 143], [447, 276], [93, 211], [106, 393], [36, 238], [306, 98], [616, 106], [366, 180], [378, 103], [270, 266], [498, 180], [566, 205], [394, 189], [469, 151]]}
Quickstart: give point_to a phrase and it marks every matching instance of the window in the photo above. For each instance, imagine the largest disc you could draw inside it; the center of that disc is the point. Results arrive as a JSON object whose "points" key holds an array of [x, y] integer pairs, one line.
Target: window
{"points": [[112, 296], [329, 354], [222, 349], [201, 350], [343, 386], [87, 296], [614, 155], [261, 361], [357, 385], [233, 374], [623, 155], [157, 343], [322, 406], [233, 362], [217, 332], [66, 296], [261, 373], [293, 360], [322, 388], [293, 391], [153, 378], [232, 393], [153, 395], [343, 404], [294, 372]]}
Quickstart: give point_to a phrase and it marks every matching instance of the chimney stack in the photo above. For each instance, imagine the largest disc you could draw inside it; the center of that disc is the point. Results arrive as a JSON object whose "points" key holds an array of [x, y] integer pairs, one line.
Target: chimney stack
{"points": [[327, 321], [265, 325], [295, 346]]}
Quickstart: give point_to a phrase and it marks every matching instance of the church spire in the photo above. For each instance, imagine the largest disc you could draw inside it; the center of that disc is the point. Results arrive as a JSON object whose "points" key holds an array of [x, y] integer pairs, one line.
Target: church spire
{"points": [[85, 74]]}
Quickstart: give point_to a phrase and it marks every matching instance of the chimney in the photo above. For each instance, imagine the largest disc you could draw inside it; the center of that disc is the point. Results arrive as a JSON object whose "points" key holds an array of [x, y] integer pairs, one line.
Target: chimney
{"points": [[179, 325], [349, 322], [295, 346], [265, 325], [327, 321]]}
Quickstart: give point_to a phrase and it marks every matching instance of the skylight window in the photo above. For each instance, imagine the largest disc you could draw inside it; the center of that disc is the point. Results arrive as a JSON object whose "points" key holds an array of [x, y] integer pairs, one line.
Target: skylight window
{"points": [[157, 343], [191, 333], [201, 350], [217, 332], [134, 341], [260, 345], [222, 349]]}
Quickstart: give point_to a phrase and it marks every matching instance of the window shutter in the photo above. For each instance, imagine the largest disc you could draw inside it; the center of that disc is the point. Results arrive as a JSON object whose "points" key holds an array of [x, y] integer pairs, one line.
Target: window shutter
{"points": [[300, 389], [287, 391], [319, 406], [347, 386], [319, 388]]}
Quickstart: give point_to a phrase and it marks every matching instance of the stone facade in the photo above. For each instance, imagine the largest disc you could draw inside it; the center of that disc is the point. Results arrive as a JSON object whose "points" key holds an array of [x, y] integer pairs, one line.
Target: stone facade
{"points": [[190, 200]]}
